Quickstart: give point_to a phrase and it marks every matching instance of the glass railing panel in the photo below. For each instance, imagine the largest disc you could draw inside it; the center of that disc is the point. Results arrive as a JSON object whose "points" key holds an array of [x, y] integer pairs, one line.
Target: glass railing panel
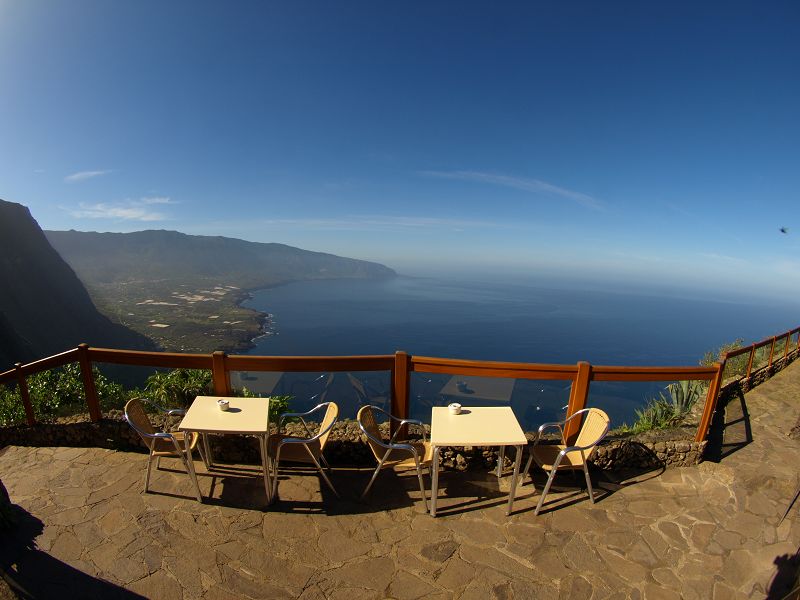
{"points": [[533, 401], [303, 391], [736, 367], [169, 388], [637, 407], [761, 358]]}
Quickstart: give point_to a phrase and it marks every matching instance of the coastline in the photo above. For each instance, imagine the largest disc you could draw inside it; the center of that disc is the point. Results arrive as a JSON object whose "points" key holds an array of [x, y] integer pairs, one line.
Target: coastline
{"points": [[264, 319]]}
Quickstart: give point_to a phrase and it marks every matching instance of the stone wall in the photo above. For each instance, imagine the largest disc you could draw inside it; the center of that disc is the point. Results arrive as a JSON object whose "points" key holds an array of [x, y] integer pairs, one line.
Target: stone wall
{"points": [[347, 445]]}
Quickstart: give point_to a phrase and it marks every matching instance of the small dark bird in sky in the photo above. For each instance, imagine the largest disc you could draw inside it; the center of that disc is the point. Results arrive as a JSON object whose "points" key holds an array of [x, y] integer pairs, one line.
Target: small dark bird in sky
{"points": [[784, 230]]}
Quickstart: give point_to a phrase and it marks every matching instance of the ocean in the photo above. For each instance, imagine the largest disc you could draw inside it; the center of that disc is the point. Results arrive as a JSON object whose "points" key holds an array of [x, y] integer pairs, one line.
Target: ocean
{"points": [[503, 321]]}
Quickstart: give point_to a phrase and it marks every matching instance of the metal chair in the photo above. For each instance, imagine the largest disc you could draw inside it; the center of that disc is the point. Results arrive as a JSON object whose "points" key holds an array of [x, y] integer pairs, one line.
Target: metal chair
{"points": [[421, 452], [281, 446], [555, 457], [162, 443]]}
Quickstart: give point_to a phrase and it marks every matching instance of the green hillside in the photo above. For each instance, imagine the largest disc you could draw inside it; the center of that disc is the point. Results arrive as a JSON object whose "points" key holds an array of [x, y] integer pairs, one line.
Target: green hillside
{"points": [[184, 290]]}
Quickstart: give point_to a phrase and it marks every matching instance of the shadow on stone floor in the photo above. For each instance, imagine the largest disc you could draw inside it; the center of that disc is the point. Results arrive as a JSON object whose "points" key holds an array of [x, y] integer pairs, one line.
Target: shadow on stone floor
{"points": [[569, 488], [730, 428], [785, 583], [301, 490], [30, 573]]}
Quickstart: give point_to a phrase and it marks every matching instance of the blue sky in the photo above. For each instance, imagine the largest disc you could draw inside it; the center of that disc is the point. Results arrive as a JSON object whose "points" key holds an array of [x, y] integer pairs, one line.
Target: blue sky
{"points": [[624, 140]]}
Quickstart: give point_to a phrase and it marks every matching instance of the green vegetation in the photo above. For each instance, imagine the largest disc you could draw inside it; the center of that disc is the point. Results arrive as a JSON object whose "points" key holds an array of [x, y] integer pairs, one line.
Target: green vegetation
{"points": [[735, 367], [178, 387], [277, 405], [668, 410], [184, 291], [59, 392]]}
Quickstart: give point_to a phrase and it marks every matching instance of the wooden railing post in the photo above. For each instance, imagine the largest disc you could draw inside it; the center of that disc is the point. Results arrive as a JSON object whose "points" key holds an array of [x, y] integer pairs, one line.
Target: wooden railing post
{"points": [[22, 385], [750, 361], [771, 352], [89, 389], [400, 385], [711, 404], [786, 343], [578, 395], [219, 374]]}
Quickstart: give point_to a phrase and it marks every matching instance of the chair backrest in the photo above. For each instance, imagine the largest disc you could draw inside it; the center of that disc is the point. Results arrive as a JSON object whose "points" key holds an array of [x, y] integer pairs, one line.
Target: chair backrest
{"points": [[594, 428], [331, 414], [366, 418], [138, 419]]}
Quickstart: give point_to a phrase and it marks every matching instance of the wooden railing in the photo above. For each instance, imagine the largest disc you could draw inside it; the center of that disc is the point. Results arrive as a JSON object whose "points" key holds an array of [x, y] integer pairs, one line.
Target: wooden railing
{"points": [[774, 357], [400, 365]]}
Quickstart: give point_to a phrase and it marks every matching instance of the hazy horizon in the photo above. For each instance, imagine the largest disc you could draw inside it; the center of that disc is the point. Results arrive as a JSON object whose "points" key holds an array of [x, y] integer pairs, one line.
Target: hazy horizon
{"points": [[633, 144]]}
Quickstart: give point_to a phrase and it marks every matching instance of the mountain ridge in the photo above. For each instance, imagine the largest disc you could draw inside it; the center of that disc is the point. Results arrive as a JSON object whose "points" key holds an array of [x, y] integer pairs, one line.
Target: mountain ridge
{"points": [[156, 254], [44, 307], [185, 291]]}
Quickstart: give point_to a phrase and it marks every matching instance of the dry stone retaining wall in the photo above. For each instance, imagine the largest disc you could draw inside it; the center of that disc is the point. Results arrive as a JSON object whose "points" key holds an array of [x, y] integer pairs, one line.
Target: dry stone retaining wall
{"points": [[346, 445]]}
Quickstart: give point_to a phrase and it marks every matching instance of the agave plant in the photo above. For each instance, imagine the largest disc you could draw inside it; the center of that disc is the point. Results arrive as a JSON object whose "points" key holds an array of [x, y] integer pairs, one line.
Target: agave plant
{"points": [[683, 395], [668, 409]]}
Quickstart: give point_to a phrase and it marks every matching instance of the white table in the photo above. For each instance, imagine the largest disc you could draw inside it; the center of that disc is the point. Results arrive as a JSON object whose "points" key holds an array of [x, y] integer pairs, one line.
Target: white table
{"points": [[476, 426], [246, 416]]}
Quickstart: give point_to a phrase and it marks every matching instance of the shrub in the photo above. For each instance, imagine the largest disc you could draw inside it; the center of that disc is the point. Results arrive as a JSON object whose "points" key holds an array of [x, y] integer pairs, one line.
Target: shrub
{"points": [[668, 410], [277, 405], [57, 392], [712, 356], [179, 387], [735, 367]]}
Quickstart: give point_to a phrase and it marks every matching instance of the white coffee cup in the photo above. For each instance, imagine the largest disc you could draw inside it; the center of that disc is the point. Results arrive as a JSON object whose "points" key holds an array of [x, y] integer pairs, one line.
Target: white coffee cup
{"points": [[454, 408], [223, 404]]}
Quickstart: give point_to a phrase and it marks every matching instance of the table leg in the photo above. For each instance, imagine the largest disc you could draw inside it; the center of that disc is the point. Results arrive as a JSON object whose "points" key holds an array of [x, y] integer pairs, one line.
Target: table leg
{"points": [[207, 448], [501, 455], [262, 442], [189, 462], [435, 480], [514, 479]]}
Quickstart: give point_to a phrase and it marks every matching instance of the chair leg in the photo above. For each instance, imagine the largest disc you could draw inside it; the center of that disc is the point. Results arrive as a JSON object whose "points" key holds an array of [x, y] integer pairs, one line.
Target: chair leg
{"points": [[528, 468], [324, 462], [324, 475], [158, 463], [422, 487], [371, 481], [544, 492], [275, 464], [147, 477], [588, 482]]}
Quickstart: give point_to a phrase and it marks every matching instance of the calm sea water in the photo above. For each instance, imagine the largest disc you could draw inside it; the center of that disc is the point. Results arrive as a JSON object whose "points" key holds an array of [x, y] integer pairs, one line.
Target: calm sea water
{"points": [[495, 321]]}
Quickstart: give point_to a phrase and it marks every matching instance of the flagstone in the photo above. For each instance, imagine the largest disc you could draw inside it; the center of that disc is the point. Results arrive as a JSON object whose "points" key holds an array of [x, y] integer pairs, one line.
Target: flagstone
{"points": [[696, 532]]}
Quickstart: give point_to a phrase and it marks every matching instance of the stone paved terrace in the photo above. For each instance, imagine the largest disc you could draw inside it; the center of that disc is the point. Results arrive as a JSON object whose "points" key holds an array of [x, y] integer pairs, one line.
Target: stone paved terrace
{"points": [[704, 532]]}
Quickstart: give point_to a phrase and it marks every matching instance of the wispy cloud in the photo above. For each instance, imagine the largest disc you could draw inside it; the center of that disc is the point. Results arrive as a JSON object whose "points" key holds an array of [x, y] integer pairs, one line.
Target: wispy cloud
{"points": [[126, 210], [84, 175], [157, 200], [518, 183]]}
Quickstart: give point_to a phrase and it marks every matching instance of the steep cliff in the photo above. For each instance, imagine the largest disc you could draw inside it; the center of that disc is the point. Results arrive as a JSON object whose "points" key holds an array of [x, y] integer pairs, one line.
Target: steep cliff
{"points": [[44, 308]]}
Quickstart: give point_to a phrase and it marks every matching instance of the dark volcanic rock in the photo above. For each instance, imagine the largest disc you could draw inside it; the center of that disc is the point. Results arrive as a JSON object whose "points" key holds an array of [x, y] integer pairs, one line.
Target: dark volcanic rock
{"points": [[44, 308]]}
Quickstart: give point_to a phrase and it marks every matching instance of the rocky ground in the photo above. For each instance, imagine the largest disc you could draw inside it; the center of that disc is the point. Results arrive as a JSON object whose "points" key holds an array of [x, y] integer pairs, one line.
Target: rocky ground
{"points": [[708, 531]]}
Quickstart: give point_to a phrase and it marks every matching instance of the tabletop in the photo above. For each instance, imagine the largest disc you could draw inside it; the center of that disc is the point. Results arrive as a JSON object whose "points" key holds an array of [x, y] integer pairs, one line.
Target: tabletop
{"points": [[476, 426], [245, 416]]}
